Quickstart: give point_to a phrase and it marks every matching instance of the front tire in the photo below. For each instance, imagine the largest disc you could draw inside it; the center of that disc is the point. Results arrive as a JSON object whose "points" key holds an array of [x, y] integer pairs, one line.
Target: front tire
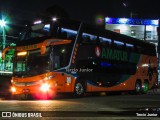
{"points": [[79, 89]]}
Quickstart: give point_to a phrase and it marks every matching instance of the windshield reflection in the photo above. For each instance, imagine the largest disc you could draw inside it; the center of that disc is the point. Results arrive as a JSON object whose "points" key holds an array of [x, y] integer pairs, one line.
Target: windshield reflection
{"points": [[37, 64], [32, 64]]}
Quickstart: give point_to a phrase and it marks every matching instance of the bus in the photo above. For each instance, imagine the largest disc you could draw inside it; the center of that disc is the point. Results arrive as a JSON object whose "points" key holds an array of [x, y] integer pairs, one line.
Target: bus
{"points": [[67, 56]]}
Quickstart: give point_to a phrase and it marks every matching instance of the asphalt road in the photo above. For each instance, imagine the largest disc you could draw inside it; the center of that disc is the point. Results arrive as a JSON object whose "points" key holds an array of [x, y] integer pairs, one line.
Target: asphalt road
{"points": [[91, 106]]}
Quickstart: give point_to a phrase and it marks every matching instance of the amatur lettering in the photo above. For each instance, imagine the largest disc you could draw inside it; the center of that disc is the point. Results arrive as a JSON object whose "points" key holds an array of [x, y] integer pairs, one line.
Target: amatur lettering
{"points": [[114, 54]]}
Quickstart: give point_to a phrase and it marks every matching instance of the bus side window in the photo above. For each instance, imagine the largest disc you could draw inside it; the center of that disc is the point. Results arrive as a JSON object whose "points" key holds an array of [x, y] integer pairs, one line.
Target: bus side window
{"points": [[56, 62], [89, 38], [72, 37], [86, 39], [105, 41], [150, 51], [64, 35], [119, 45], [129, 47], [139, 49], [68, 33], [96, 40]]}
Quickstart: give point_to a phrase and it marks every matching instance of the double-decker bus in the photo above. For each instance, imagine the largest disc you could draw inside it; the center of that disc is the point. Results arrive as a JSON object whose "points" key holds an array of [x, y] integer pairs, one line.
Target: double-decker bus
{"points": [[66, 56]]}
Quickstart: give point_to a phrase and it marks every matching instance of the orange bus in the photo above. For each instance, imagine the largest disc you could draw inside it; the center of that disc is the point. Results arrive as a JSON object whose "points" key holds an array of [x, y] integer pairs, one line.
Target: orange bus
{"points": [[66, 56]]}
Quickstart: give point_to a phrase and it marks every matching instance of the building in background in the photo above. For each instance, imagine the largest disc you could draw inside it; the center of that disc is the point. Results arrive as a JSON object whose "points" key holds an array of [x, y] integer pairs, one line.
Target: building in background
{"points": [[143, 29]]}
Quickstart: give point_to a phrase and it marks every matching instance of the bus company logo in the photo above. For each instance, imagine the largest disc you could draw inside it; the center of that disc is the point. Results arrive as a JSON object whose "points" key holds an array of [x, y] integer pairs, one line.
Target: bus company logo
{"points": [[98, 51]]}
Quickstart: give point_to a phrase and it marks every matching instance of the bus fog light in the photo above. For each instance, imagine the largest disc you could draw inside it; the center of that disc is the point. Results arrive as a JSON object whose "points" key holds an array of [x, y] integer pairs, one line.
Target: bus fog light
{"points": [[13, 89], [45, 87]]}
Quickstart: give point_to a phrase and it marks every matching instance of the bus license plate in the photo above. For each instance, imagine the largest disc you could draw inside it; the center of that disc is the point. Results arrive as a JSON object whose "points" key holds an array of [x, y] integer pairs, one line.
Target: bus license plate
{"points": [[25, 90]]}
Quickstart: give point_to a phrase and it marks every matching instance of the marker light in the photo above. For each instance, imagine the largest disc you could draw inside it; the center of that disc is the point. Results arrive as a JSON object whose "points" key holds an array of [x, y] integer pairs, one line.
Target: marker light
{"points": [[45, 87], [145, 65], [21, 53], [38, 22], [54, 19], [13, 89]]}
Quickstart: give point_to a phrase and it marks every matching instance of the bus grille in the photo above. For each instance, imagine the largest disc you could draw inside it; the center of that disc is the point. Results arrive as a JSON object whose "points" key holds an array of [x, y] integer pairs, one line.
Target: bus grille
{"points": [[25, 83]]}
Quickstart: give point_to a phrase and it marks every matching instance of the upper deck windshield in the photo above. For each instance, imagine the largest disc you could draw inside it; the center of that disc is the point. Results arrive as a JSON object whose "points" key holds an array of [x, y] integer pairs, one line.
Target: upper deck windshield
{"points": [[35, 31]]}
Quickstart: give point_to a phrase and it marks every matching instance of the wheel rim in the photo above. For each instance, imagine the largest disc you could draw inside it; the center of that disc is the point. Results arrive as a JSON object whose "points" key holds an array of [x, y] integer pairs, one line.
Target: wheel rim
{"points": [[79, 89], [138, 87]]}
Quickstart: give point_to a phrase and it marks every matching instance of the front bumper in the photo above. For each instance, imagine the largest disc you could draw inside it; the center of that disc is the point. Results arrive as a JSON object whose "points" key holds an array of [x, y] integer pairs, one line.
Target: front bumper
{"points": [[18, 90]]}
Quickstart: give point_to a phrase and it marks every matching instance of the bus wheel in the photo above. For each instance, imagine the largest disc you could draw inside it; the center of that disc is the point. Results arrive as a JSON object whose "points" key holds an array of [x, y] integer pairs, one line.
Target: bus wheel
{"points": [[145, 87], [79, 89], [138, 87]]}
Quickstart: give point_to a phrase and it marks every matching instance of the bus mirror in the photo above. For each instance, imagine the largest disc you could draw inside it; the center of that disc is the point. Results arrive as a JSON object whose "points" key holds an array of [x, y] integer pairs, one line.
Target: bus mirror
{"points": [[5, 50], [4, 53]]}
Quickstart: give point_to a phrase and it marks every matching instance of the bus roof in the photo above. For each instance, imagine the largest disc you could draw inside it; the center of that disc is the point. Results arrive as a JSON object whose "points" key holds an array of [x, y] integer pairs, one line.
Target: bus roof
{"points": [[120, 37], [72, 24]]}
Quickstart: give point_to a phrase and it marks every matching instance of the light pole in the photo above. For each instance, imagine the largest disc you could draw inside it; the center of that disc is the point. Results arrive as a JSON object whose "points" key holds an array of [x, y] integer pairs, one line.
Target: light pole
{"points": [[3, 24]]}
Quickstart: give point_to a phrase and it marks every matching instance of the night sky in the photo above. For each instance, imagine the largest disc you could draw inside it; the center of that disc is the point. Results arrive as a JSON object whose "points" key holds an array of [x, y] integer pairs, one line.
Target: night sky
{"points": [[83, 10], [20, 11]]}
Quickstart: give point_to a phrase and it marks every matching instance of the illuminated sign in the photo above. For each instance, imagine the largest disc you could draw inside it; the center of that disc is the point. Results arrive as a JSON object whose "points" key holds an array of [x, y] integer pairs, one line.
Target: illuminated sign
{"points": [[112, 54], [98, 51], [130, 21]]}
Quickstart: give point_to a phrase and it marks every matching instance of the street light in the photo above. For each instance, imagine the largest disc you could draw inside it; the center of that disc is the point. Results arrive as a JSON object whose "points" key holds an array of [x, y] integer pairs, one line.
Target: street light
{"points": [[2, 23]]}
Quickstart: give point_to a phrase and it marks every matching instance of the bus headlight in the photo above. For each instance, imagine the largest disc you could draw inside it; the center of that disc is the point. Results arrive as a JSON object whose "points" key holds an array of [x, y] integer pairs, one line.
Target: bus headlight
{"points": [[13, 89], [45, 87]]}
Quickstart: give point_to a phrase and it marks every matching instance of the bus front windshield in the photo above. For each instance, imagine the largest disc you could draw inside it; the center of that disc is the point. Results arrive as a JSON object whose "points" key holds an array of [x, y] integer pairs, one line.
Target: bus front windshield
{"points": [[33, 63]]}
